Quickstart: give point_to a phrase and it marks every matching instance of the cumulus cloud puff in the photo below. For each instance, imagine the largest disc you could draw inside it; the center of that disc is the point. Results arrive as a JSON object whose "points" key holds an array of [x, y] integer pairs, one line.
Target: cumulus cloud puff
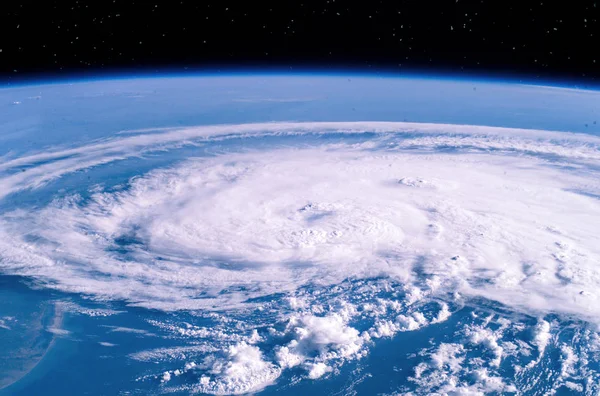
{"points": [[241, 371]]}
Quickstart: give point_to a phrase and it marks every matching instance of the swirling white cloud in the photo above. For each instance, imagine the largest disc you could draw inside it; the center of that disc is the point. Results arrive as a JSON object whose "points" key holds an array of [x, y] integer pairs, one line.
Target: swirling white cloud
{"points": [[509, 215]]}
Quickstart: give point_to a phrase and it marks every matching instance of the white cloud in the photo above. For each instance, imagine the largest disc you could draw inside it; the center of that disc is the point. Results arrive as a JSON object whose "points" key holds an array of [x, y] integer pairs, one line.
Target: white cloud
{"points": [[318, 340], [58, 331], [241, 370], [317, 370], [489, 339], [568, 361], [447, 371], [541, 336], [171, 353]]}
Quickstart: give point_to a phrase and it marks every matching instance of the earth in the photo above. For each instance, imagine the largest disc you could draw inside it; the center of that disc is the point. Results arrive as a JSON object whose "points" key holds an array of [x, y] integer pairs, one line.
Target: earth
{"points": [[322, 234]]}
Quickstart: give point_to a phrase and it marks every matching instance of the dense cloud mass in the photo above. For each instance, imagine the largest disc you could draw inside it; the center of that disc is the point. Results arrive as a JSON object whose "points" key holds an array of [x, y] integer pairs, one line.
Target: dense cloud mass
{"points": [[442, 214], [503, 216]]}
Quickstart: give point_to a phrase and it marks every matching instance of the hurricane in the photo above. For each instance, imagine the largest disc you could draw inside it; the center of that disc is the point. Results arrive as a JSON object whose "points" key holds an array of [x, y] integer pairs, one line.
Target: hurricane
{"points": [[452, 254]]}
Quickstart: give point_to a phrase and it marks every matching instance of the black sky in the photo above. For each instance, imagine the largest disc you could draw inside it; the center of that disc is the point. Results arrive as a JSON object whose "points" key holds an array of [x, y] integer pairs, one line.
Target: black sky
{"points": [[544, 38]]}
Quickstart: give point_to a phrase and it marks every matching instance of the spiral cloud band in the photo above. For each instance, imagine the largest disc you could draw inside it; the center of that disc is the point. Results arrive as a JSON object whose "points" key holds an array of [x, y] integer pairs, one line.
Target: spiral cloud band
{"points": [[446, 212], [483, 211]]}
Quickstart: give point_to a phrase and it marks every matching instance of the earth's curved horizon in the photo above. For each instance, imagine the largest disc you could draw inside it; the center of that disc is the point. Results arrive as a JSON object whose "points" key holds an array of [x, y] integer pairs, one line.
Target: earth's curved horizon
{"points": [[316, 233]]}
